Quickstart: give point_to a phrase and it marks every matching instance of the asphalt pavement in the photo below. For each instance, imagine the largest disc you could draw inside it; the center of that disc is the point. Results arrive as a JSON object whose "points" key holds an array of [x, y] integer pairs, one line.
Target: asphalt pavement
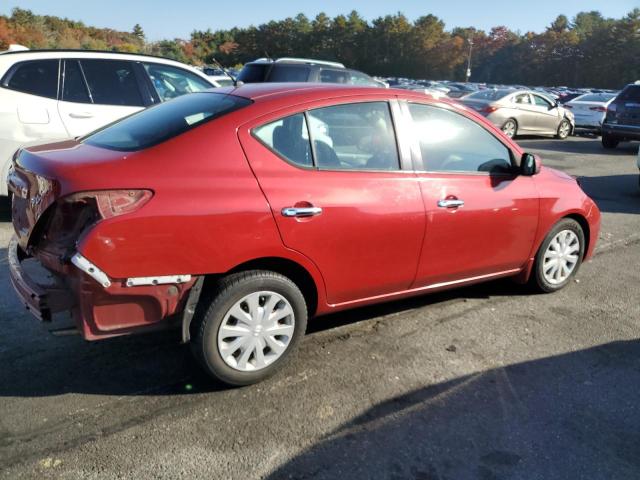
{"points": [[486, 382]]}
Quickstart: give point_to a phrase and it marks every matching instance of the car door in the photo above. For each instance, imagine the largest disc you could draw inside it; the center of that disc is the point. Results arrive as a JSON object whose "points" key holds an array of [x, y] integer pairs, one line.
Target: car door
{"points": [[548, 116], [339, 195], [481, 216], [28, 109], [96, 92], [525, 113]]}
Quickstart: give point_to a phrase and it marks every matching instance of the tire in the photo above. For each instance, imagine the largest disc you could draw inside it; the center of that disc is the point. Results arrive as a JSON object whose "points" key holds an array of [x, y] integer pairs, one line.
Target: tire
{"points": [[543, 271], [609, 142], [510, 128], [564, 129], [237, 290]]}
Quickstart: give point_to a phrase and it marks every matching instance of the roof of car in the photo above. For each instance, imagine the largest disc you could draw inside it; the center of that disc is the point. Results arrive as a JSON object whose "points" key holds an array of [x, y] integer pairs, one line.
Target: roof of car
{"points": [[259, 90]]}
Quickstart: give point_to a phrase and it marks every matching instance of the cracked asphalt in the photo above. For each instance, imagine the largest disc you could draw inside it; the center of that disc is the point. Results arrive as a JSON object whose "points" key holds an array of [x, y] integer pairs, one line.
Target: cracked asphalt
{"points": [[486, 382]]}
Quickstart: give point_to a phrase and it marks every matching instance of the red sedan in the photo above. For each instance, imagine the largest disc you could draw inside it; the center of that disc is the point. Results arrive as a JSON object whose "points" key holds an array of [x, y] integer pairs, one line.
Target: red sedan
{"points": [[238, 214]]}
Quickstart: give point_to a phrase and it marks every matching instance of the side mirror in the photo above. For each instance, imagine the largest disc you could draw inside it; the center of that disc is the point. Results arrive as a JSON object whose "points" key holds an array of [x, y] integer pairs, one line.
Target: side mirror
{"points": [[530, 164]]}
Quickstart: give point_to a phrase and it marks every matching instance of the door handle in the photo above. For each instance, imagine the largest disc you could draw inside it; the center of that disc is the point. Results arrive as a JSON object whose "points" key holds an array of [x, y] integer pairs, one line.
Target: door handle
{"points": [[301, 212], [450, 203], [81, 115]]}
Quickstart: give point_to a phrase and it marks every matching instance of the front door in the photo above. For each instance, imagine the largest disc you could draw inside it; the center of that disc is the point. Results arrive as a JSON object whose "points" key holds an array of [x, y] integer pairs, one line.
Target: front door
{"points": [[481, 216], [333, 179]]}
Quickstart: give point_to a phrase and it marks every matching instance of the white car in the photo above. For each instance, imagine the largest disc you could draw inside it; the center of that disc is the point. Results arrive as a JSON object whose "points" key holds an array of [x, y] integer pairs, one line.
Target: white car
{"points": [[589, 110], [52, 95]]}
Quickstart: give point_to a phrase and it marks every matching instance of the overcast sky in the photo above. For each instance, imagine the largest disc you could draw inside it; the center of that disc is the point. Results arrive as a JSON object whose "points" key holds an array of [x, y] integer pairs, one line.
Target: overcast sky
{"points": [[169, 19]]}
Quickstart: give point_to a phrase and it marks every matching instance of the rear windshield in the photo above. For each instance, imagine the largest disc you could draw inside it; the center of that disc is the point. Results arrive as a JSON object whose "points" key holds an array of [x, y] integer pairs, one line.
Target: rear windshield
{"points": [[164, 121], [489, 95], [632, 92], [595, 97], [254, 72], [289, 73]]}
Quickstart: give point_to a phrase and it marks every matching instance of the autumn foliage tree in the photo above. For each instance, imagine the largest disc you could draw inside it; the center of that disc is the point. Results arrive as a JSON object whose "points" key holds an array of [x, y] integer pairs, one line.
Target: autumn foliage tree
{"points": [[588, 50]]}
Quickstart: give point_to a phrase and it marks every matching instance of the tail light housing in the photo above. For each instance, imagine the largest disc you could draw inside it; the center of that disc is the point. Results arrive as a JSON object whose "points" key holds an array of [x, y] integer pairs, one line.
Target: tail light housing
{"points": [[112, 203], [598, 109], [611, 115], [566, 105], [489, 109]]}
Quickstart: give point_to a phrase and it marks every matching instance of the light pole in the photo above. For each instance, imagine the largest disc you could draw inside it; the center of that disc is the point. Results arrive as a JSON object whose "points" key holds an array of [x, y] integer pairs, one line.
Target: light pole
{"points": [[469, 59]]}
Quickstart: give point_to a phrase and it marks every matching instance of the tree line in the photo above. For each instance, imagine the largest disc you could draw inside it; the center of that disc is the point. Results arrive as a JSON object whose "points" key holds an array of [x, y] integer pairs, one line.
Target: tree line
{"points": [[589, 50]]}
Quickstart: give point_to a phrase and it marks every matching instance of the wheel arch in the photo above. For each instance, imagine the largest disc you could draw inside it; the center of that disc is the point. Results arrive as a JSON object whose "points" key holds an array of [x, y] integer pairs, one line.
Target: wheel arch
{"points": [[291, 269]]}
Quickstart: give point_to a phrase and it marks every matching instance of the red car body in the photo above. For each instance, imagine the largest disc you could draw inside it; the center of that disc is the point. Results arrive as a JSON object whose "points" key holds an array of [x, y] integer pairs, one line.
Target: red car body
{"points": [[217, 193]]}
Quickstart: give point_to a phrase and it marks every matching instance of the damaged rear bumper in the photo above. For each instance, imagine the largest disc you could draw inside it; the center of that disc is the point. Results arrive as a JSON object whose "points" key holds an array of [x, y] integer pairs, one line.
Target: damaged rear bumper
{"points": [[41, 292], [100, 308]]}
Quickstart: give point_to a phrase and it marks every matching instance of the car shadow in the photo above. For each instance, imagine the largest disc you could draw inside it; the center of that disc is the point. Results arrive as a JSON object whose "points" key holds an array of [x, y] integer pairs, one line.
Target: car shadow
{"points": [[613, 193], [153, 363], [580, 145], [567, 416]]}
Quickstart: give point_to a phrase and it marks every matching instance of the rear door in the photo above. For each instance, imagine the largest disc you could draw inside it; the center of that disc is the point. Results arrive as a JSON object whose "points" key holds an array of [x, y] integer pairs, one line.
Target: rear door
{"points": [[481, 216], [334, 179], [96, 92]]}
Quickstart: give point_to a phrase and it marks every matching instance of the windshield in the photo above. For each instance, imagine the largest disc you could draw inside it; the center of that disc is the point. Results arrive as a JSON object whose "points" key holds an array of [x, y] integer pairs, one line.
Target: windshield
{"points": [[488, 95], [164, 121]]}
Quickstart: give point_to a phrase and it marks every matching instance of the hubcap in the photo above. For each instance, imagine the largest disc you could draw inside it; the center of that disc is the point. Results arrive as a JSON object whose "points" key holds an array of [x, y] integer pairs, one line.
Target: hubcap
{"points": [[509, 129], [564, 129], [256, 331], [561, 257]]}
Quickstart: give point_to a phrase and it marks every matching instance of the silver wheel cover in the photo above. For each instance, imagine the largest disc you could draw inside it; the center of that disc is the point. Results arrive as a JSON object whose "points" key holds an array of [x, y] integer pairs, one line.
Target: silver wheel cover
{"points": [[561, 257], [256, 331]]}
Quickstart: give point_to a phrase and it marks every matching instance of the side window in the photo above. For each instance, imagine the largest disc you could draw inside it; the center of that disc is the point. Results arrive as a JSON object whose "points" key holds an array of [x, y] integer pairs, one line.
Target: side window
{"points": [[333, 76], [355, 136], [288, 137], [171, 82], [289, 73], [37, 77], [74, 87], [112, 82], [522, 99], [450, 142], [541, 102]]}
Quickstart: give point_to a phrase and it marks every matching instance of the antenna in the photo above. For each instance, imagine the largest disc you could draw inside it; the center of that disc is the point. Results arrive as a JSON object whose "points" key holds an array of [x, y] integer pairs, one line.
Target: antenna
{"points": [[226, 72]]}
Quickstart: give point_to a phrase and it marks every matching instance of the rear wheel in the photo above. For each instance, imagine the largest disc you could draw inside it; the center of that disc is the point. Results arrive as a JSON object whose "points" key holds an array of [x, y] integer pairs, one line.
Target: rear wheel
{"points": [[559, 256], [564, 129], [249, 327], [510, 128], [609, 142]]}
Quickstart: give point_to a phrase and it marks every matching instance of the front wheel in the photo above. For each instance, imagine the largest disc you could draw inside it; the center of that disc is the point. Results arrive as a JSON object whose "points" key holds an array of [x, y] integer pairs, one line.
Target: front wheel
{"points": [[564, 129], [249, 328], [559, 256]]}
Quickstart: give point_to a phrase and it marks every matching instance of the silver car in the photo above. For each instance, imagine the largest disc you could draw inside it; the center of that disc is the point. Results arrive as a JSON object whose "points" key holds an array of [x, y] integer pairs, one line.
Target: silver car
{"points": [[522, 112]]}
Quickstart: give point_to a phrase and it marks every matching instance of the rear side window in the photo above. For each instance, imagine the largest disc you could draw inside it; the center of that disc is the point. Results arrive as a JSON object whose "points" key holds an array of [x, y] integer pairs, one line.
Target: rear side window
{"points": [[253, 73], [164, 121], [74, 87], [450, 142], [171, 82], [37, 77], [630, 93], [333, 76], [355, 136], [289, 73], [288, 137], [112, 82]]}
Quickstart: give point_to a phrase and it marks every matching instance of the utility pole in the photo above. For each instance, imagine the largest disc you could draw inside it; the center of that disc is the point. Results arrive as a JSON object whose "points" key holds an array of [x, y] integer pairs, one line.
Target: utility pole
{"points": [[469, 59]]}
